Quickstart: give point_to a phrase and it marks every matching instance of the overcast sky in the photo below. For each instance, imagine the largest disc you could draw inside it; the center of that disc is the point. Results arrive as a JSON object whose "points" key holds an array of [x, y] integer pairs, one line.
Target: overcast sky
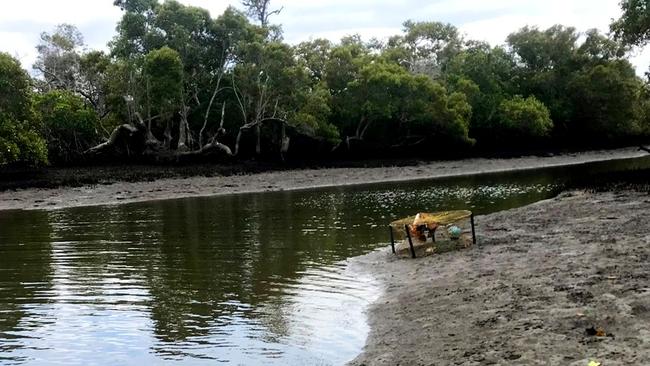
{"points": [[491, 20]]}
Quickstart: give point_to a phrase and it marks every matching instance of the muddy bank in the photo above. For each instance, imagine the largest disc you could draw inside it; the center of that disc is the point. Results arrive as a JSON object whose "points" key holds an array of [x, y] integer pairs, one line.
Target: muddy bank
{"points": [[123, 192], [544, 277]]}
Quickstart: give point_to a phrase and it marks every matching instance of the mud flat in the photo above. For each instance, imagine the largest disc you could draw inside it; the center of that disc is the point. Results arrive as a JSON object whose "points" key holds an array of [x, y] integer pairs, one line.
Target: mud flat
{"points": [[168, 188], [544, 278]]}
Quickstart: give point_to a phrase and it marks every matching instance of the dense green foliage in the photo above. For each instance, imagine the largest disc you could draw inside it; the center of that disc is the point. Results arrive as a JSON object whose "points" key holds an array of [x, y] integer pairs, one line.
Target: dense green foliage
{"points": [[68, 125], [634, 26], [574, 80], [186, 84], [20, 141], [524, 119]]}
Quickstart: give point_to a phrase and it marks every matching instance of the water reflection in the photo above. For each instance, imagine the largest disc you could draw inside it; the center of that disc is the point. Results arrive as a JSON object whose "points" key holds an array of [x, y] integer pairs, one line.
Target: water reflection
{"points": [[25, 278], [247, 279]]}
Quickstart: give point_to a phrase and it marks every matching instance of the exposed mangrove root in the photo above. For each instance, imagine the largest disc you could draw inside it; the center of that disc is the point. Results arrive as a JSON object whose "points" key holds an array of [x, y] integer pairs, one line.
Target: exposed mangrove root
{"points": [[212, 148], [123, 132], [135, 139]]}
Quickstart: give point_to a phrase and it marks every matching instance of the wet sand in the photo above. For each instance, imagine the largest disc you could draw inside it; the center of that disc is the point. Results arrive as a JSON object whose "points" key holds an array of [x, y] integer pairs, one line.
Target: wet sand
{"points": [[542, 278], [126, 192]]}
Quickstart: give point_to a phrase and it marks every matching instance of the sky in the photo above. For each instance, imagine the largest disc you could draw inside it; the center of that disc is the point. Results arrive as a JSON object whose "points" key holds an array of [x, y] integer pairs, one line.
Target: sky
{"points": [[22, 21]]}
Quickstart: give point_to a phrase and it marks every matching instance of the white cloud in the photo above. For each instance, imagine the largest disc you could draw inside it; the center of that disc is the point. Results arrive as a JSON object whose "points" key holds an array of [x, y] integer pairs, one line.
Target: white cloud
{"points": [[581, 14], [447, 7], [335, 35], [575, 13], [215, 7], [53, 12], [22, 21], [19, 46]]}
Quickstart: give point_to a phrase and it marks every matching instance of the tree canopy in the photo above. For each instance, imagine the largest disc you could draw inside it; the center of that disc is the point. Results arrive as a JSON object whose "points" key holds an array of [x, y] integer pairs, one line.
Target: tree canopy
{"points": [[633, 28], [179, 83], [20, 141]]}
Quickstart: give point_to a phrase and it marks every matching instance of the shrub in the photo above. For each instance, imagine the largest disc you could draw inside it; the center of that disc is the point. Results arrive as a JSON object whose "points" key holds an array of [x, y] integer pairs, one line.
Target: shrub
{"points": [[69, 125], [526, 118]]}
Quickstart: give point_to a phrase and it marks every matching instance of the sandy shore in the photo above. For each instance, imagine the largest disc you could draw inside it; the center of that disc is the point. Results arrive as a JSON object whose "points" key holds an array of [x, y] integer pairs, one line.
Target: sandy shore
{"points": [[542, 276], [34, 198]]}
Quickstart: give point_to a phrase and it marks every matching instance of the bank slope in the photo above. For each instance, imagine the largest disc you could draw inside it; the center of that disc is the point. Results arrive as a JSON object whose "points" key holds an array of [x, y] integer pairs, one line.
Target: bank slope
{"points": [[543, 276]]}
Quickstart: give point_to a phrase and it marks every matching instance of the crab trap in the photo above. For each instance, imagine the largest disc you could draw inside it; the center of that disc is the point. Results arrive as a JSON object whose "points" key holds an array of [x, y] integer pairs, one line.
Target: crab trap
{"points": [[430, 233]]}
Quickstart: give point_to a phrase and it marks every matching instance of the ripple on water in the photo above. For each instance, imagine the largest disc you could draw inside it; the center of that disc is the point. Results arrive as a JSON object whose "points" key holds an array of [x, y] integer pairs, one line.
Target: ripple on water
{"points": [[249, 279]]}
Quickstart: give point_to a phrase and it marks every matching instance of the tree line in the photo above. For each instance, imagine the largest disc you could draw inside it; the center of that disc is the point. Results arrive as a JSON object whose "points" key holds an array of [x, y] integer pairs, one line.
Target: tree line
{"points": [[179, 85]]}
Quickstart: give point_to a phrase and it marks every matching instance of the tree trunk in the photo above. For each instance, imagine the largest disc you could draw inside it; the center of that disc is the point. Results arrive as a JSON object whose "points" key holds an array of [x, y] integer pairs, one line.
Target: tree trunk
{"points": [[150, 136], [207, 112], [182, 131], [258, 139], [362, 127], [151, 139], [168, 136], [237, 142], [284, 141], [365, 129], [182, 137]]}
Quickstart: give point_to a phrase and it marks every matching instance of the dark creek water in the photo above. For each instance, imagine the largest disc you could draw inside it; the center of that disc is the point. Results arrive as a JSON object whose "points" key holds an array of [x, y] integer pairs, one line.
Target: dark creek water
{"points": [[255, 279]]}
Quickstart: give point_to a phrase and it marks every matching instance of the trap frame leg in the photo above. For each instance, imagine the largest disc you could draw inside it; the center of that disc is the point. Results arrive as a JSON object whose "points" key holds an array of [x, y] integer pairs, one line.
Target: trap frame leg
{"points": [[473, 230], [408, 235]]}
